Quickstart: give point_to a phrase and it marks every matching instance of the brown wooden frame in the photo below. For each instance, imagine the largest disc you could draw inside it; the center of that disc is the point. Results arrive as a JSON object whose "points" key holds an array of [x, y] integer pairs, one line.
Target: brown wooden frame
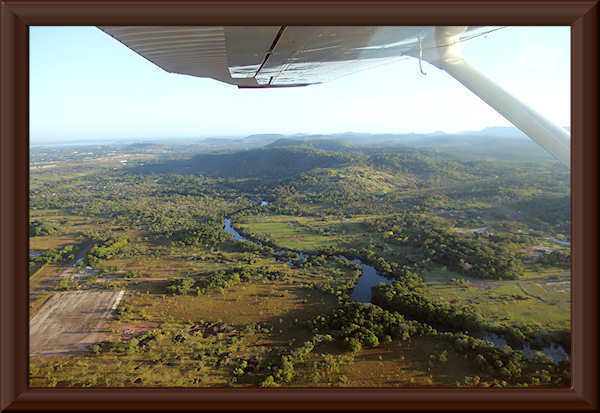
{"points": [[17, 15]]}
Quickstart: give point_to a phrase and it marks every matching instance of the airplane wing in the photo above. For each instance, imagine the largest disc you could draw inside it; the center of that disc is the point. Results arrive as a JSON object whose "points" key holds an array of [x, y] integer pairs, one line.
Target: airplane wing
{"points": [[271, 56], [287, 56]]}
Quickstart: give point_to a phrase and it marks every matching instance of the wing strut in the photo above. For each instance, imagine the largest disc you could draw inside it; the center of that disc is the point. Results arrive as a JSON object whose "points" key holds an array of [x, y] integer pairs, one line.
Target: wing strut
{"points": [[444, 53]]}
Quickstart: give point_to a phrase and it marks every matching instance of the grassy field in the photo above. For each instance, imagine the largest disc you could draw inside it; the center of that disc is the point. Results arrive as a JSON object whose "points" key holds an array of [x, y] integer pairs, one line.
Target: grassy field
{"points": [[306, 234], [261, 316], [406, 363], [69, 234], [541, 298], [242, 304], [265, 318], [261, 320]]}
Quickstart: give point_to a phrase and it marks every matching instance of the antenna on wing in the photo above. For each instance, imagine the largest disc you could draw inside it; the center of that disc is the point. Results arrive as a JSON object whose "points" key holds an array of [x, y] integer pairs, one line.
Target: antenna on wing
{"points": [[421, 57]]}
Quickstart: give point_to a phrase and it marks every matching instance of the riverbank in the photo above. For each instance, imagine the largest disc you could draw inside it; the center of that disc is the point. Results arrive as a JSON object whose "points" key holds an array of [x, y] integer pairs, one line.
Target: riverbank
{"points": [[362, 292]]}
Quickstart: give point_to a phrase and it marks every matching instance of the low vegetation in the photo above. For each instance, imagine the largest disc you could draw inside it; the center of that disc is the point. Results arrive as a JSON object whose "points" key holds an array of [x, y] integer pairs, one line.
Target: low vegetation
{"points": [[468, 247]]}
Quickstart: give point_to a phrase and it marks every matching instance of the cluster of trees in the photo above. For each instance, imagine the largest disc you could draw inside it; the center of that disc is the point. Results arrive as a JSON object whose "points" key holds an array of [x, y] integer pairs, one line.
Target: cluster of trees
{"points": [[406, 296], [218, 280], [353, 326], [474, 257], [548, 212], [189, 285], [411, 301], [107, 249], [207, 234], [432, 169], [53, 255], [356, 325], [41, 227], [558, 258], [284, 369], [359, 324], [159, 204], [507, 366]]}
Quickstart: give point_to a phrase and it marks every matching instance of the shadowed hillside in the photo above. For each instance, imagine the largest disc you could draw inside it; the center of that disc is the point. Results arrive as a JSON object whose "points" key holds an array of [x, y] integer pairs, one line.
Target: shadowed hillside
{"points": [[323, 144], [255, 163]]}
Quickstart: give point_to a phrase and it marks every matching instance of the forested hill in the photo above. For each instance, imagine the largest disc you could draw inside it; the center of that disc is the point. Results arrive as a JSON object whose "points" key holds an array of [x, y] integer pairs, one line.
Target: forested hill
{"points": [[287, 158], [324, 144], [255, 163]]}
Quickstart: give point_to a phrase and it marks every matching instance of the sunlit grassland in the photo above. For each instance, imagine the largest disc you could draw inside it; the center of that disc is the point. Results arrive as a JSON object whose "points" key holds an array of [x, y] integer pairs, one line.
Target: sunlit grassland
{"points": [[281, 306], [69, 234], [559, 273], [362, 179], [414, 362], [61, 172], [166, 363], [177, 262], [307, 234], [239, 305], [72, 232], [544, 302], [407, 363], [253, 301], [157, 267], [72, 168]]}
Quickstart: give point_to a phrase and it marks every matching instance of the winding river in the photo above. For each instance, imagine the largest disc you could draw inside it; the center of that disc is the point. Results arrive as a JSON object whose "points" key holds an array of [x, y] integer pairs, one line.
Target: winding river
{"points": [[362, 289], [370, 278], [236, 235]]}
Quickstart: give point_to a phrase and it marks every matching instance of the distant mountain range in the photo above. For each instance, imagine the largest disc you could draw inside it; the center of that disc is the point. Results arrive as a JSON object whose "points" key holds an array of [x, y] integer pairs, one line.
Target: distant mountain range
{"points": [[336, 141], [507, 132], [502, 132]]}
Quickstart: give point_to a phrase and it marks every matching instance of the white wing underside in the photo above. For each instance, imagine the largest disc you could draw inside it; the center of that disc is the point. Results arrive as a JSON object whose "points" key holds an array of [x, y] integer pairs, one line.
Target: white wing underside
{"points": [[285, 56], [271, 55]]}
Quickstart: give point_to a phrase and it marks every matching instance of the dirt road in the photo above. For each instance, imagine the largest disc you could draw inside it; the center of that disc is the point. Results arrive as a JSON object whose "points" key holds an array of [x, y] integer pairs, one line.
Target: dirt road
{"points": [[71, 321]]}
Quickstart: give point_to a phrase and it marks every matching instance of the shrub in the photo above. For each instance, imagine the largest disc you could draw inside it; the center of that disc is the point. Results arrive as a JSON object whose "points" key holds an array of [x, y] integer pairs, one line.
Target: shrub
{"points": [[353, 344]]}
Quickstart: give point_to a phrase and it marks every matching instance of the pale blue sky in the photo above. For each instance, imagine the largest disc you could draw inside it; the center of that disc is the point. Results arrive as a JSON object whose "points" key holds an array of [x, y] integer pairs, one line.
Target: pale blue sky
{"points": [[84, 85]]}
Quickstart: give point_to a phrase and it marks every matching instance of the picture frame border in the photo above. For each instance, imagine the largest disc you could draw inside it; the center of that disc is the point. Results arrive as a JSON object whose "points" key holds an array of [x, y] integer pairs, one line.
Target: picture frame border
{"points": [[15, 19]]}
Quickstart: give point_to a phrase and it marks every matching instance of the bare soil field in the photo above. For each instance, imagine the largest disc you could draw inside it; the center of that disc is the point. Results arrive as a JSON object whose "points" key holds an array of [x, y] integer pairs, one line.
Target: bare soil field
{"points": [[49, 276], [71, 322]]}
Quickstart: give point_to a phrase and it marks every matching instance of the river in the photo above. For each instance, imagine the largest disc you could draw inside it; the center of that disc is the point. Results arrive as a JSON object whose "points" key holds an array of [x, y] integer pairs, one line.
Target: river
{"points": [[362, 289], [370, 278], [559, 242], [236, 235], [553, 350]]}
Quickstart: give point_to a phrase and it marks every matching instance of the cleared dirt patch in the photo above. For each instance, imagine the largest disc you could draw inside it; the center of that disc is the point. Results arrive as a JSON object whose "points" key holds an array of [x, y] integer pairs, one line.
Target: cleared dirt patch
{"points": [[71, 322], [133, 330]]}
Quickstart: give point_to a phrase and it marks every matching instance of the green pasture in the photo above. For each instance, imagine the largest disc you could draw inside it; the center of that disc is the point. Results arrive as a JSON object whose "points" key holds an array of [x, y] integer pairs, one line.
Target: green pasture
{"points": [[544, 302], [306, 234]]}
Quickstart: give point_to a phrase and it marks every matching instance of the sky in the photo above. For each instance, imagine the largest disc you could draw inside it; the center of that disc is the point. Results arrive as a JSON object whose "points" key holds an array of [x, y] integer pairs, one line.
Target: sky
{"points": [[85, 85]]}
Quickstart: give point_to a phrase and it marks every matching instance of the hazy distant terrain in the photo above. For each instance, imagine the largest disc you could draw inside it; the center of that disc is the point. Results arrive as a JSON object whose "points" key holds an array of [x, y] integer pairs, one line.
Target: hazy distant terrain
{"points": [[505, 142]]}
